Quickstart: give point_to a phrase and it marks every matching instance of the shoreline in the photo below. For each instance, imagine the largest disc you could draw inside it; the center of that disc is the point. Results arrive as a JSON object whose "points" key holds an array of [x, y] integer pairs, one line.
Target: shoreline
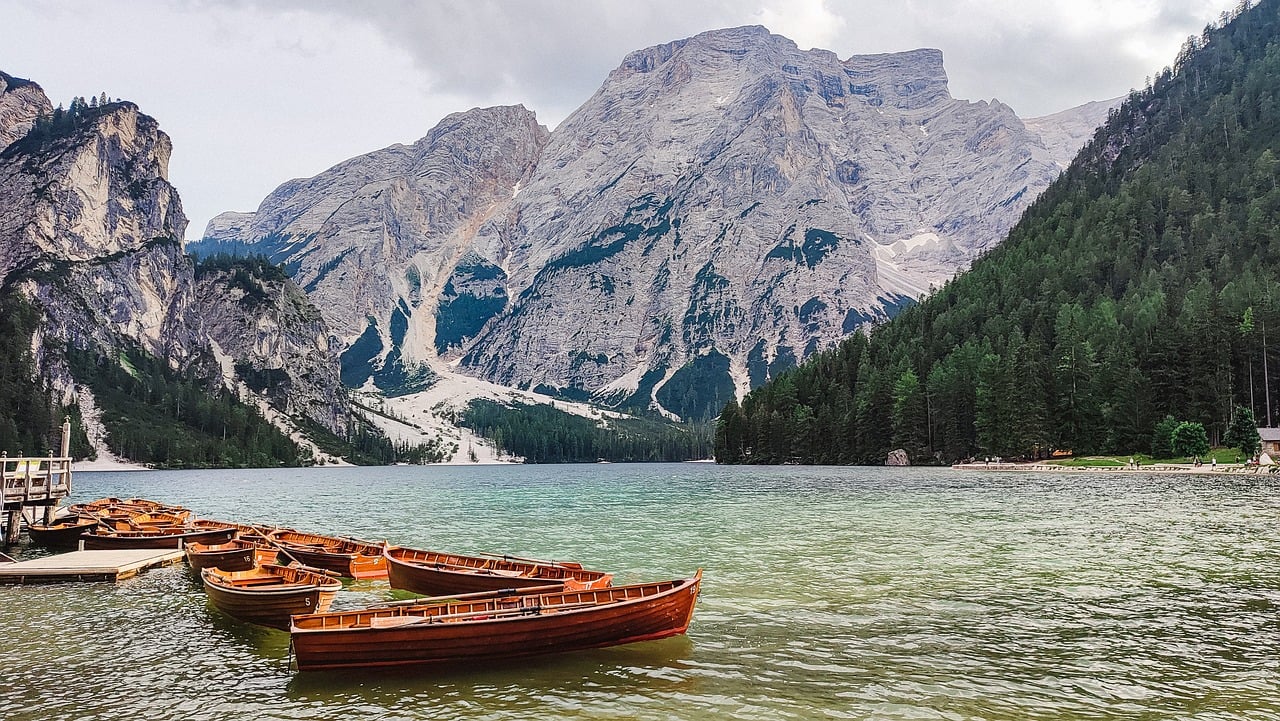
{"points": [[1234, 469]]}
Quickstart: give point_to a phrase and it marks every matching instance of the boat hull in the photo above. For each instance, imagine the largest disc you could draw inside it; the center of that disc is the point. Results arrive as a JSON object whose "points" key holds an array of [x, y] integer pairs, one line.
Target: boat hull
{"points": [[270, 605], [234, 555], [344, 557], [156, 540], [434, 574], [60, 535], [384, 637]]}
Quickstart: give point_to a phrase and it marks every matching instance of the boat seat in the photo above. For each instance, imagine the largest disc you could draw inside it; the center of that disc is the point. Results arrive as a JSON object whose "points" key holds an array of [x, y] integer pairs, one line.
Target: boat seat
{"points": [[395, 621]]}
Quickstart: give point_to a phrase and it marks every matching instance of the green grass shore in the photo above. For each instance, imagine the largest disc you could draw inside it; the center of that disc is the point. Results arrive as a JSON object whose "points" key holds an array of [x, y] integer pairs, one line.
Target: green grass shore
{"points": [[1229, 460]]}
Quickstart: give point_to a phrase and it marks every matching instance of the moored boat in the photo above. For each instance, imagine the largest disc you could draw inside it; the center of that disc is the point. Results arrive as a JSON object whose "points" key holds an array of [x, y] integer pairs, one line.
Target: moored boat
{"points": [[62, 533], [170, 537], [493, 626], [434, 574], [269, 595], [234, 555], [345, 556]]}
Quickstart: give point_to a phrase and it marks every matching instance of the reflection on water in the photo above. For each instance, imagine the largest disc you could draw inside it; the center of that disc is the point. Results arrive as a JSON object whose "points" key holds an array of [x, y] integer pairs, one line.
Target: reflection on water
{"points": [[829, 593]]}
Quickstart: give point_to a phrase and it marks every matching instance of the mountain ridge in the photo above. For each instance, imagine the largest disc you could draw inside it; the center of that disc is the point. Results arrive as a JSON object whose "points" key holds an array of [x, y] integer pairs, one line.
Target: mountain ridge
{"points": [[722, 206], [92, 242]]}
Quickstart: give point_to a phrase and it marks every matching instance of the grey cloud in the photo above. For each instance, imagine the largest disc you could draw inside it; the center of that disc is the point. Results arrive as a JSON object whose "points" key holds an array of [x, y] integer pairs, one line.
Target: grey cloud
{"points": [[549, 55], [552, 55]]}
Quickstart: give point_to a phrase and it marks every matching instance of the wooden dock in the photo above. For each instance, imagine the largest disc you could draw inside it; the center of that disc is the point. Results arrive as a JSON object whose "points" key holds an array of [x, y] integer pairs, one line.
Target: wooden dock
{"points": [[34, 482], [88, 565]]}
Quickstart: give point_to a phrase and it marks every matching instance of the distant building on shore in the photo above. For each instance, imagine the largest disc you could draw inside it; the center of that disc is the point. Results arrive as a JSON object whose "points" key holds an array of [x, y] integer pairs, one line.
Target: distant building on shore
{"points": [[1270, 441]]}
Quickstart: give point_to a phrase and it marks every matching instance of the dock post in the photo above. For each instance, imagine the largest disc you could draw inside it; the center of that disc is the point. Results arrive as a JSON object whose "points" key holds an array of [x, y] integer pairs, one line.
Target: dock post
{"points": [[66, 451], [50, 505], [13, 527]]}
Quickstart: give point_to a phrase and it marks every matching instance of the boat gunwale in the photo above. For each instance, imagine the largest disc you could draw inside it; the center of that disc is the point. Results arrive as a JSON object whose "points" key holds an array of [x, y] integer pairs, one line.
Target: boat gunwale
{"points": [[343, 626], [323, 584], [369, 549], [568, 572]]}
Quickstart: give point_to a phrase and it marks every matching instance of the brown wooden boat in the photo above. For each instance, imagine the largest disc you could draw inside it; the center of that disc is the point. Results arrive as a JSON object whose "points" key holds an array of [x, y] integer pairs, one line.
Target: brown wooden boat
{"points": [[268, 595], [152, 519], [494, 626], [345, 556], [132, 514], [234, 555], [62, 533], [436, 574], [167, 537], [126, 505]]}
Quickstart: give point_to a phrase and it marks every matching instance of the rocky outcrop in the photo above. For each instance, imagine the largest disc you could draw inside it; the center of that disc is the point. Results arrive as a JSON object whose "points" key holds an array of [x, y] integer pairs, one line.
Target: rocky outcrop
{"points": [[21, 102], [92, 231], [377, 240], [1064, 133], [722, 207], [897, 458], [277, 343]]}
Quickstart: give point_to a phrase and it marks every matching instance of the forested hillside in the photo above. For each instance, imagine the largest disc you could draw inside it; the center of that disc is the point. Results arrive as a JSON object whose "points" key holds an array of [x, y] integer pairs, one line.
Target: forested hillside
{"points": [[1144, 282]]}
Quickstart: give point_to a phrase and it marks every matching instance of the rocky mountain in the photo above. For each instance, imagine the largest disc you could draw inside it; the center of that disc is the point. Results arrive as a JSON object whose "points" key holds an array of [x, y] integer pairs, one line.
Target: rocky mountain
{"points": [[92, 236], [269, 337], [723, 206], [93, 229], [377, 240], [1126, 296], [1064, 133], [21, 102]]}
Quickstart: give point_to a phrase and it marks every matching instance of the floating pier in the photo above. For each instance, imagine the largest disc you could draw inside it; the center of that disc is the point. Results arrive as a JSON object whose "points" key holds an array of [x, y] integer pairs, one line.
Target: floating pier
{"points": [[88, 565]]}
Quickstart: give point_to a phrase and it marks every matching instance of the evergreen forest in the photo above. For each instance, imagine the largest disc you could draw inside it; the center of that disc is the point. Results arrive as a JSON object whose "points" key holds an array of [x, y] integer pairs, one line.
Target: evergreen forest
{"points": [[543, 434], [1143, 284]]}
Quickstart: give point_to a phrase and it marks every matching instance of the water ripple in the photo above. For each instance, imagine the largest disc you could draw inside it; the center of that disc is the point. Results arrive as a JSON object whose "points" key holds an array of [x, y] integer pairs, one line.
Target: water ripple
{"points": [[829, 593]]}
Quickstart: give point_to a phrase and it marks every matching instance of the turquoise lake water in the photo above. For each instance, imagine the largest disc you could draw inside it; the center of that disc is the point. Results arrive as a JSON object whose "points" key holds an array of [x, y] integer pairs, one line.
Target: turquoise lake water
{"points": [[830, 593]]}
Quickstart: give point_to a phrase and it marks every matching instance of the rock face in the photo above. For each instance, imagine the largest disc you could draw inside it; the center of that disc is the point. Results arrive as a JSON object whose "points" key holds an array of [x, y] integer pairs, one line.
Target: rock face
{"points": [[378, 242], [276, 340], [1064, 133], [722, 207], [92, 231], [897, 458], [21, 101], [94, 228]]}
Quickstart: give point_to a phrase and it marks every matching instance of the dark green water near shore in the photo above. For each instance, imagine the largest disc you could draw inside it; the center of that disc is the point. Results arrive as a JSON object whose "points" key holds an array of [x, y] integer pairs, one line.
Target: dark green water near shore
{"points": [[829, 593]]}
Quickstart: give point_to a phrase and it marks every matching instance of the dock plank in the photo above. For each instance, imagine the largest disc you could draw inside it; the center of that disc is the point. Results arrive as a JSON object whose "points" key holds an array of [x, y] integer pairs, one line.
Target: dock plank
{"points": [[112, 565]]}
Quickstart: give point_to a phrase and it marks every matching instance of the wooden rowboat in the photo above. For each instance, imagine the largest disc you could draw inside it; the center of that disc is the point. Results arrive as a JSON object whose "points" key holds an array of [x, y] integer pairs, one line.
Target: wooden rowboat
{"points": [[494, 626], [122, 507], [435, 574], [268, 595], [172, 537], [234, 555], [62, 533], [344, 556]]}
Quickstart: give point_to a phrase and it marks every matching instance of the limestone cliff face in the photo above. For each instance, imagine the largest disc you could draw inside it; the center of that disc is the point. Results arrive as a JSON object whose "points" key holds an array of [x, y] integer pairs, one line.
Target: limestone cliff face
{"points": [[276, 341], [723, 206], [21, 101], [376, 240], [92, 230], [1064, 133], [94, 227], [729, 203]]}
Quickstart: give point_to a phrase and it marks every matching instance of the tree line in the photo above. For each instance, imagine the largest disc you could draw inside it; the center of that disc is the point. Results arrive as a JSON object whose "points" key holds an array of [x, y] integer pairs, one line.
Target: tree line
{"points": [[542, 434]]}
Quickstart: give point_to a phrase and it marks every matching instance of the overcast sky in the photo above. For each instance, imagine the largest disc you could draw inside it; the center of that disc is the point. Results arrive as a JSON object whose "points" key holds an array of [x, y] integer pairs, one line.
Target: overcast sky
{"points": [[254, 92]]}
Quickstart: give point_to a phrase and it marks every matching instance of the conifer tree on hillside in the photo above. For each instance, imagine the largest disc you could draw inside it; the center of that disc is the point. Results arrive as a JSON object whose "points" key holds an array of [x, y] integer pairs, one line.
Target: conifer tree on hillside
{"points": [[1119, 298]]}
